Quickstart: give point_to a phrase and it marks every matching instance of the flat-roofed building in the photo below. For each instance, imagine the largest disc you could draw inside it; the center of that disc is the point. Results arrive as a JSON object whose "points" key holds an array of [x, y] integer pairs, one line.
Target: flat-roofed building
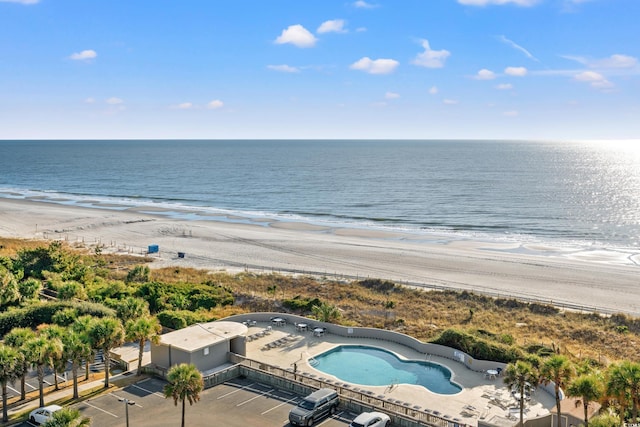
{"points": [[206, 345]]}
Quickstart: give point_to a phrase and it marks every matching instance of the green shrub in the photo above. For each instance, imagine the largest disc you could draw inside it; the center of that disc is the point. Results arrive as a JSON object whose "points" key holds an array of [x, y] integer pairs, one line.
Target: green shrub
{"points": [[540, 350], [139, 273], [477, 347], [184, 296], [70, 290], [181, 318], [301, 304], [378, 285], [43, 312]]}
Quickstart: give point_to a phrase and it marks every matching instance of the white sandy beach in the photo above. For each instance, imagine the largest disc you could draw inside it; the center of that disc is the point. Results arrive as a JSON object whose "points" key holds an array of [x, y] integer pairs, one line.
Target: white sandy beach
{"points": [[593, 279]]}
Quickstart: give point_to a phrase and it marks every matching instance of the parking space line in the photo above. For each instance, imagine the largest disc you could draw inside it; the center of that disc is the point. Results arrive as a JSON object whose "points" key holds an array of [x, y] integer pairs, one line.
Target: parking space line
{"points": [[13, 389], [148, 391], [255, 397], [29, 385], [283, 403], [234, 391], [122, 398], [326, 420], [100, 409]]}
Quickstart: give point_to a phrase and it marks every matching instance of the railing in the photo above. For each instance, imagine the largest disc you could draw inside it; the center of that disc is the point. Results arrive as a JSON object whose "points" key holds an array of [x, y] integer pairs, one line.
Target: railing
{"points": [[354, 399]]}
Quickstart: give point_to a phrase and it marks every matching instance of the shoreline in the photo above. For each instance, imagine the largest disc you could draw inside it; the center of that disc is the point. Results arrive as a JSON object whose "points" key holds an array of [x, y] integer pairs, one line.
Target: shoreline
{"points": [[593, 279]]}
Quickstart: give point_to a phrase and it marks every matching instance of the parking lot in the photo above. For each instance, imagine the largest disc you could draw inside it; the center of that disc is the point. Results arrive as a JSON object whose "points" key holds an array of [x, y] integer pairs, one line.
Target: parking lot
{"points": [[236, 403]]}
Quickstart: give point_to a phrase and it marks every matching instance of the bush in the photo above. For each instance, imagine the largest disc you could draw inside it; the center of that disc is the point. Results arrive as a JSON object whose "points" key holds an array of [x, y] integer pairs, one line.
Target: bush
{"points": [[301, 304], [540, 350], [382, 286], [181, 318], [37, 314], [478, 348], [167, 296], [139, 273]]}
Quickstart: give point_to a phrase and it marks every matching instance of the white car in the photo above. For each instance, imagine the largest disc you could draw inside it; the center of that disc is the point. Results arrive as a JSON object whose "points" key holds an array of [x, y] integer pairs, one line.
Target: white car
{"points": [[44, 414], [371, 419]]}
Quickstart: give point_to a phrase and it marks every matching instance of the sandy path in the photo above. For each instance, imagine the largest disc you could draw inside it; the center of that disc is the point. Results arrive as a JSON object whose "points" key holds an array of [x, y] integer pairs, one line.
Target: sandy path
{"points": [[606, 281]]}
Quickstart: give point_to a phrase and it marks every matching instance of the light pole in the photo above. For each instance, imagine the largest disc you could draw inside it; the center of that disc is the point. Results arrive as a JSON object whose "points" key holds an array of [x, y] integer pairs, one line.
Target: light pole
{"points": [[127, 402]]}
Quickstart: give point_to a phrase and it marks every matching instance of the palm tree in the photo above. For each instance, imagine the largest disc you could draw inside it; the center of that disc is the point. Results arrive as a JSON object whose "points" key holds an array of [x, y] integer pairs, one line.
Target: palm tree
{"points": [[141, 330], [325, 312], [623, 383], [105, 334], [185, 383], [518, 377], [17, 338], [10, 363], [76, 349], [67, 417], [589, 389], [559, 370], [59, 362], [41, 352], [81, 326], [131, 308]]}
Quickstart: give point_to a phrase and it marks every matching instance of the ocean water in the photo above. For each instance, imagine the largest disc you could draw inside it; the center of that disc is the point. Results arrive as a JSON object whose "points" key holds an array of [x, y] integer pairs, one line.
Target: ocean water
{"points": [[557, 193]]}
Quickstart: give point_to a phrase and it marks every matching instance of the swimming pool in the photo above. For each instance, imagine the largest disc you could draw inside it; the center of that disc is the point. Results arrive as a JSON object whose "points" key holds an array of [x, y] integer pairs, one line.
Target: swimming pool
{"points": [[365, 365]]}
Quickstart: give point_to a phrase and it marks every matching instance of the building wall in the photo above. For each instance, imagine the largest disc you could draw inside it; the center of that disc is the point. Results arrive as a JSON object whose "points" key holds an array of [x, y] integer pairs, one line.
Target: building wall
{"points": [[238, 345], [160, 355], [166, 356], [210, 356]]}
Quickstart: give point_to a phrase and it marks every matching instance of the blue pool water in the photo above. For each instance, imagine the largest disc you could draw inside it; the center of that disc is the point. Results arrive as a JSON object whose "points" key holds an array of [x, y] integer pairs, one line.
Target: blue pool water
{"points": [[373, 366]]}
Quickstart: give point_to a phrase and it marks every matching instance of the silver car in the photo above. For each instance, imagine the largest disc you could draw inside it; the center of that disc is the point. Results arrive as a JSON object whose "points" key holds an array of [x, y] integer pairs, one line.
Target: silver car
{"points": [[371, 419]]}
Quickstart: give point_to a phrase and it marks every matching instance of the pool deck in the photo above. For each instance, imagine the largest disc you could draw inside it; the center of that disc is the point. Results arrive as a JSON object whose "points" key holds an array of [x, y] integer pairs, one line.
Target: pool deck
{"points": [[481, 398]]}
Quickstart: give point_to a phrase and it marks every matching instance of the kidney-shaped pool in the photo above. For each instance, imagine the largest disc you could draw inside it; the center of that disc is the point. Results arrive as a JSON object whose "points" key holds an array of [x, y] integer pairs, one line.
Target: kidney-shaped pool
{"points": [[366, 365]]}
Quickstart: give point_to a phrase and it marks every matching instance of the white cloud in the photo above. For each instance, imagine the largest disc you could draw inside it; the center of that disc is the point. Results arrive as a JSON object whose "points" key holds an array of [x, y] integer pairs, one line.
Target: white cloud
{"points": [[498, 2], [616, 61], [361, 29], [431, 58], [297, 35], [516, 71], [504, 86], [613, 61], [449, 101], [391, 95], [90, 100], [375, 66], [184, 106], [114, 101], [595, 80], [284, 68], [433, 90], [332, 26], [361, 4], [215, 104], [511, 113], [485, 74], [21, 1], [84, 55], [516, 46]]}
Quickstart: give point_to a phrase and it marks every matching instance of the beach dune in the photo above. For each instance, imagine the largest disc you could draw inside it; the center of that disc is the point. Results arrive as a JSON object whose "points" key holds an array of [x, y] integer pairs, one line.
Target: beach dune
{"points": [[595, 280]]}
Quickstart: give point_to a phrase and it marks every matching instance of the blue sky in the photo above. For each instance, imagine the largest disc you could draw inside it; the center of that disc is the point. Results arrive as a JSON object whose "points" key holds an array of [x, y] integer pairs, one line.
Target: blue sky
{"points": [[425, 69]]}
